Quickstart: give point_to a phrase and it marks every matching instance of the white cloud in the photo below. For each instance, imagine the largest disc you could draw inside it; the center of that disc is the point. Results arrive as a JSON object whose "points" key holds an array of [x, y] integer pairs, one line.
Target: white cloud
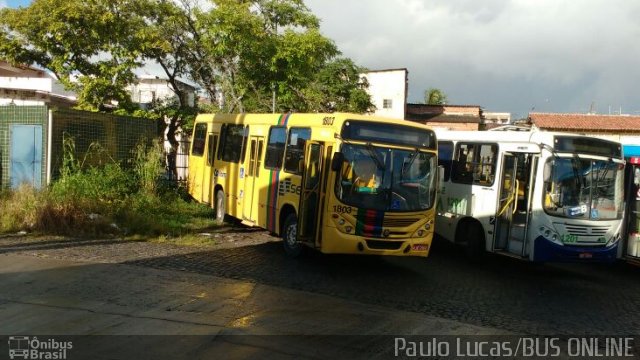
{"points": [[556, 55]]}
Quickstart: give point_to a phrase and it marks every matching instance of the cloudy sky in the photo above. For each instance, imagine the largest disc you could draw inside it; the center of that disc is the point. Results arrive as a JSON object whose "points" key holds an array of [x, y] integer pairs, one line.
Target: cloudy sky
{"points": [[504, 55]]}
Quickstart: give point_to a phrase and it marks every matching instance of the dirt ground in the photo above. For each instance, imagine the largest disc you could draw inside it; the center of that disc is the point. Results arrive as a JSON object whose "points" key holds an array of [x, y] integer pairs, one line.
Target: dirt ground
{"points": [[117, 250]]}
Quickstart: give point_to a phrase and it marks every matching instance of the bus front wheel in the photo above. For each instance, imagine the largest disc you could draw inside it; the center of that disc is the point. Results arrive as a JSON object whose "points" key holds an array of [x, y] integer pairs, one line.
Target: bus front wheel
{"points": [[219, 208], [475, 240], [292, 247]]}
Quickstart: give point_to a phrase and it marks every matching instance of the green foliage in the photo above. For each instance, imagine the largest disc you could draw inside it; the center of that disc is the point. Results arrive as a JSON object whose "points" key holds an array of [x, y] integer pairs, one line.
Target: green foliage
{"points": [[148, 167], [342, 88], [261, 47], [240, 52], [107, 199], [435, 96], [94, 42], [18, 209]]}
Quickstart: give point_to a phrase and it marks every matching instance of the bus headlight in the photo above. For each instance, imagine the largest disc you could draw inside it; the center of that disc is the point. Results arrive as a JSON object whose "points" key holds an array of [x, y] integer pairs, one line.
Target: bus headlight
{"points": [[614, 240], [348, 229], [341, 221], [550, 235], [427, 226]]}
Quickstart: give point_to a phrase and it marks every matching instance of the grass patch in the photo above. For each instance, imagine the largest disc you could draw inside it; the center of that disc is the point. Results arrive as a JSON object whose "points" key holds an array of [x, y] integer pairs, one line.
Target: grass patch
{"points": [[106, 199]]}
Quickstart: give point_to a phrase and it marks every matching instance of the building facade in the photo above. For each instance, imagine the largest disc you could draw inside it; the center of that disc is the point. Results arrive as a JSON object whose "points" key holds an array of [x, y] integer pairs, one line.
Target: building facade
{"points": [[29, 86], [448, 117], [388, 90], [151, 89]]}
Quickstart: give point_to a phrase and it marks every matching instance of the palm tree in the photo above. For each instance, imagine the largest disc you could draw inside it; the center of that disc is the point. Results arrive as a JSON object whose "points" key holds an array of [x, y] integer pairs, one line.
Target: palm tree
{"points": [[435, 96]]}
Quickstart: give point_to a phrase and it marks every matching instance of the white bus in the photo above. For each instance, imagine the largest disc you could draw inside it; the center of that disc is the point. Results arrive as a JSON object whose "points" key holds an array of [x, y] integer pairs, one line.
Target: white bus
{"points": [[534, 195]]}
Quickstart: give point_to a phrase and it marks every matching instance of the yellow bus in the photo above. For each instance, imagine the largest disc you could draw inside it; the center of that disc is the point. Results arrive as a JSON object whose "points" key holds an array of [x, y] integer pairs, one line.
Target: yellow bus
{"points": [[338, 183]]}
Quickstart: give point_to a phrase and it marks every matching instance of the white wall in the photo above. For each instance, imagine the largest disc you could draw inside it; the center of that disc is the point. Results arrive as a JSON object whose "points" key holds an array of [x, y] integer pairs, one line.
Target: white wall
{"points": [[148, 90], [8, 101], [27, 83], [390, 85]]}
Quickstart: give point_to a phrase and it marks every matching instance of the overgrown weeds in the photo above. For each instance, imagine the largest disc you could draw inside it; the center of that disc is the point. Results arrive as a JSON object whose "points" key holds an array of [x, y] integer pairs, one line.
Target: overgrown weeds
{"points": [[111, 198]]}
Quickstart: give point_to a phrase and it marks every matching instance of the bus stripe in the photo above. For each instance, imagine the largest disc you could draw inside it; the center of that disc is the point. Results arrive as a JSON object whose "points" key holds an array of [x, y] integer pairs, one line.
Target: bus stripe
{"points": [[369, 222], [274, 177]]}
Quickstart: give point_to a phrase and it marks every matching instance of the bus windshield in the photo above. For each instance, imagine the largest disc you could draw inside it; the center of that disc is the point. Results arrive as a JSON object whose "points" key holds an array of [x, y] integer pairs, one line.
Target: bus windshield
{"points": [[386, 179], [584, 188]]}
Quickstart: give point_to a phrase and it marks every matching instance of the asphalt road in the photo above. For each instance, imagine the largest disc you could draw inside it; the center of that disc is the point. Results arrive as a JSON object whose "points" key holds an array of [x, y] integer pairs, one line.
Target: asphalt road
{"points": [[502, 293], [498, 292]]}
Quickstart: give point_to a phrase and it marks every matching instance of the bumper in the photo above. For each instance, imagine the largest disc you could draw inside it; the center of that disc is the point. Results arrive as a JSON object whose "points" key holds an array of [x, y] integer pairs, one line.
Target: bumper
{"points": [[545, 250], [336, 242]]}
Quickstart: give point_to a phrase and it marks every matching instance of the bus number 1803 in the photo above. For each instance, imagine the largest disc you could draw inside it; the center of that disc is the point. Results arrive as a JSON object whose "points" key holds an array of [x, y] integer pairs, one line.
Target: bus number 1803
{"points": [[342, 209]]}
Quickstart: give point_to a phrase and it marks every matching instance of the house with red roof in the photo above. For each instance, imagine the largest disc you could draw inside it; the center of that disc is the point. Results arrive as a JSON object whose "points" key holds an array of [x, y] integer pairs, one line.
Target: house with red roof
{"points": [[622, 128]]}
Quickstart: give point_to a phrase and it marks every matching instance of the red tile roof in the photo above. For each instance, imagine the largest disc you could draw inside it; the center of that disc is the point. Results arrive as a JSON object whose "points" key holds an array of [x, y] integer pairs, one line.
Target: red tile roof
{"points": [[586, 122]]}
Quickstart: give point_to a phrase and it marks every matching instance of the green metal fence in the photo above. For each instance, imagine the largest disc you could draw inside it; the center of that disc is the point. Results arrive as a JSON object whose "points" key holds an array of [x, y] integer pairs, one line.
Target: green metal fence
{"points": [[115, 135]]}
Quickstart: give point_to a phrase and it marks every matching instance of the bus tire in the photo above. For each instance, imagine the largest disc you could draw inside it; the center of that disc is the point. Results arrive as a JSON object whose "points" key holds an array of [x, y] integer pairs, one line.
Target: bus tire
{"points": [[475, 240], [290, 242], [219, 208]]}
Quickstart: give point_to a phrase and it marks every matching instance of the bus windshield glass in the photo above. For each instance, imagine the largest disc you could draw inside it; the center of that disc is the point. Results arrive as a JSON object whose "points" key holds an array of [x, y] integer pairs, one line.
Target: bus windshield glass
{"points": [[396, 180], [584, 188]]}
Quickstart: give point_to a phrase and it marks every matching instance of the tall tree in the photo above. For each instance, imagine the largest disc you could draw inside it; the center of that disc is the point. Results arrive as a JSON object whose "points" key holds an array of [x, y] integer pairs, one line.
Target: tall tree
{"points": [[242, 52], [265, 48], [90, 46], [434, 96]]}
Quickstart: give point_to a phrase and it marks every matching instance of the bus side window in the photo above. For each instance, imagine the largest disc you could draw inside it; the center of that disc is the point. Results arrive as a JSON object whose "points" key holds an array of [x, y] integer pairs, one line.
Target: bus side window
{"points": [[234, 144], [445, 157], [463, 171], [211, 151], [223, 138], [199, 136], [294, 152], [275, 147], [486, 165]]}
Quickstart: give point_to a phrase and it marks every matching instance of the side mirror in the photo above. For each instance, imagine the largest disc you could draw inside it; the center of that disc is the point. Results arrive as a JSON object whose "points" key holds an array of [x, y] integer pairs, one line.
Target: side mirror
{"points": [[546, 172], [636, 177], [336, 162]]}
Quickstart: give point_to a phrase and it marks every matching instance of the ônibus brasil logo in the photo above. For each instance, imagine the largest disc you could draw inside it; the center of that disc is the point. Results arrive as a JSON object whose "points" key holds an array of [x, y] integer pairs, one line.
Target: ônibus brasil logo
{"points": [[31, 348]]}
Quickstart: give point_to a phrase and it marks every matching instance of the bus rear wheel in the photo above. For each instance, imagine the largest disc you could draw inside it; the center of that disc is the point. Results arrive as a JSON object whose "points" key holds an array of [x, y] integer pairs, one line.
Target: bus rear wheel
{"points": [[292, 247], [219, 209]]}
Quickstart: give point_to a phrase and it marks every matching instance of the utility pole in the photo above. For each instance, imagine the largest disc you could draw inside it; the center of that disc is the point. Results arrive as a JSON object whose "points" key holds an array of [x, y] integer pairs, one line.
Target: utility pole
{"points": [[273, 98]]}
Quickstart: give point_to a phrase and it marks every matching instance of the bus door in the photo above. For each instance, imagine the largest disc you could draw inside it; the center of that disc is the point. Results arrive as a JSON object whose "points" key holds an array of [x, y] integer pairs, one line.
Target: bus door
{"points": [[514, 203], [207, 171], [250, 207], [311, 196]]}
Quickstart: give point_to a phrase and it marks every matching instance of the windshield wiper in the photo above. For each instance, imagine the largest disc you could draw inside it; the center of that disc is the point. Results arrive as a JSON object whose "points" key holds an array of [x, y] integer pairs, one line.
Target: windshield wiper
{"points": [[374, 155], [407, 166], [577, 173]]}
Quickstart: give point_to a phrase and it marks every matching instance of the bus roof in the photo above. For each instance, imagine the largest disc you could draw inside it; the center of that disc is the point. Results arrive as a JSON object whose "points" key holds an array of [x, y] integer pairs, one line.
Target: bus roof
{"points": [[301, 119], [538, 137], [561, 141]]}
